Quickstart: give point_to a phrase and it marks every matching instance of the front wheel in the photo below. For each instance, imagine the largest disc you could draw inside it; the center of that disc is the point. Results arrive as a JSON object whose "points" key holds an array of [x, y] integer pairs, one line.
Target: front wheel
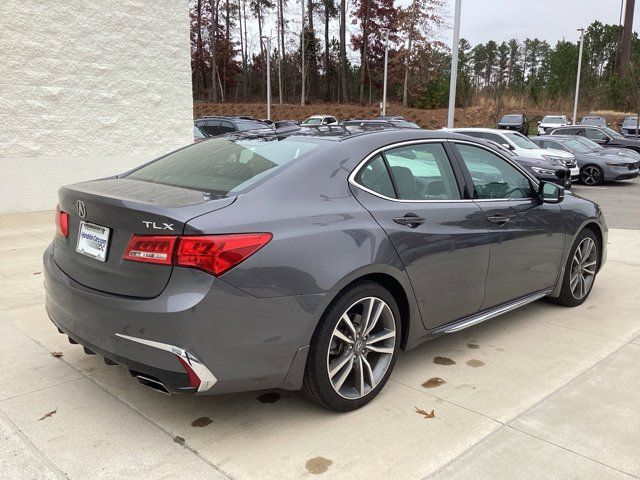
{"points": [[591, 175], [354, 348], [580, 270]]}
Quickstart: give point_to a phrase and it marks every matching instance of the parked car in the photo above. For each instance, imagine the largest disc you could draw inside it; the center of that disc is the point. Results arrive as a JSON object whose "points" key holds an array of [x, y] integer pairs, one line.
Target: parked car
{"points": [[594, 168], [379, 123], [543, 170], [550, 122], [630, 127], [601, 135], [215, 125], [600, 150], [597, 120], [267, 260], [320, 120], [524, 147], [514, 121], [198, 135]]}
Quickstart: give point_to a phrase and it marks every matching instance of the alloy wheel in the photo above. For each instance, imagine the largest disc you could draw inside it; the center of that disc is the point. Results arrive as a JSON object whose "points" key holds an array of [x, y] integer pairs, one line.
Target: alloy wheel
{"points": [[591, 175], [361, 348], [583, 268]]}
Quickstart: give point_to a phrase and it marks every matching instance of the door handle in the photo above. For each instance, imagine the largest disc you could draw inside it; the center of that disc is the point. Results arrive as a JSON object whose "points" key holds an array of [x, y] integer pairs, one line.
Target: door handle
{"points": [[411, 220], [499, 219]]}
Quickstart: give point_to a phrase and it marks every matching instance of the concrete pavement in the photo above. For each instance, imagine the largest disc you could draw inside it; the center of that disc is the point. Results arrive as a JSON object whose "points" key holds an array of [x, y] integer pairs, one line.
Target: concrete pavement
{"points": [[543, 392]]}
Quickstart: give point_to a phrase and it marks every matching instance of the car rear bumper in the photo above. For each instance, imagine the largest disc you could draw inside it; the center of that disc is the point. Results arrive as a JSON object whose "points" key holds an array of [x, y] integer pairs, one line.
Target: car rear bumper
{"points": [[232, 340]]}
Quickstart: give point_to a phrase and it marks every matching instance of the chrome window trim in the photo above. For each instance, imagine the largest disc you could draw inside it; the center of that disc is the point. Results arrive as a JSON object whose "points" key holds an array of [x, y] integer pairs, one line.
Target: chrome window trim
{"points": [[361, 165]]}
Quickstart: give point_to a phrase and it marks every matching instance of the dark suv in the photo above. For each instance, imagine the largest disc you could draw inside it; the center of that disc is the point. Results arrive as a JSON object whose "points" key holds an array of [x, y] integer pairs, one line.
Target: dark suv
{"points": [[601, 135], [214, 126], [514, 121]]}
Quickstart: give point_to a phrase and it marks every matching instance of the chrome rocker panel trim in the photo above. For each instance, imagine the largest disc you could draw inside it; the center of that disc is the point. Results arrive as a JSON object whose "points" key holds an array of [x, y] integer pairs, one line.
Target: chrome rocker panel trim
{"points": [[489, 314], [207, 379]]}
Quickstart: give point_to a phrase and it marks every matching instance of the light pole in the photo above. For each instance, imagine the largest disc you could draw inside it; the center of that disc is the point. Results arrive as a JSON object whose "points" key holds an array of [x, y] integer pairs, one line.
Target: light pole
{"points": [[575, 101], [386, 60], [267, 41], [454, 65]]}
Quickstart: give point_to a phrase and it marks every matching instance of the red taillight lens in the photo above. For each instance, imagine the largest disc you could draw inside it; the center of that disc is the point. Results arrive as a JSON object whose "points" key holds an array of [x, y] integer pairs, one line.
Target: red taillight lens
{"points": [[62, 222], [151, 249], [194, 380], [217, 254]]}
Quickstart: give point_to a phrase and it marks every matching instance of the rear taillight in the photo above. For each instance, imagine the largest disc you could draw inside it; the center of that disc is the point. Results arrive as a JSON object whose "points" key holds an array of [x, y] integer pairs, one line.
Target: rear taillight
{"points": [[151, 249], [62, 222], [215, 254]]}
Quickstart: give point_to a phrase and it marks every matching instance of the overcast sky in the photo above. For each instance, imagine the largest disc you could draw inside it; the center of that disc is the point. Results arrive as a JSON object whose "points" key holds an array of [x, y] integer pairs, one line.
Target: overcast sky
{"points": [[549, 20]]}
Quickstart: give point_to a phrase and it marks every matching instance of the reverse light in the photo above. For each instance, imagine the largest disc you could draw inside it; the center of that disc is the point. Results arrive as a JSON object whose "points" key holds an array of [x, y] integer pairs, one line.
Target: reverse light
{"points": [[62, 222], [216, 254], [151, 249]]}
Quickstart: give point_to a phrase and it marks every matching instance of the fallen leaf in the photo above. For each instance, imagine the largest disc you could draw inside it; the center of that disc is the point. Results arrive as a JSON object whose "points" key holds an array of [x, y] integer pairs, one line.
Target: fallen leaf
{"points": [[56, 354], [37, 273], [179, 440], [426, 414], [48, 414]]}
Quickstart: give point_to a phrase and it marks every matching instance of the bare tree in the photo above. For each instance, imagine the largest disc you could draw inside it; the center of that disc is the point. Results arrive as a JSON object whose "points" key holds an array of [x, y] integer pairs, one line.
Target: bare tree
{"points": [[302, 66], [343, 51], [364, 50], [407, 60]]}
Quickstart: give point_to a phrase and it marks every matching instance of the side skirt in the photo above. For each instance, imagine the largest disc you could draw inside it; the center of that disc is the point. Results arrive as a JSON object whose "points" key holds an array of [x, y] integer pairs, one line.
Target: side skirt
{"points": [[485, 315]]}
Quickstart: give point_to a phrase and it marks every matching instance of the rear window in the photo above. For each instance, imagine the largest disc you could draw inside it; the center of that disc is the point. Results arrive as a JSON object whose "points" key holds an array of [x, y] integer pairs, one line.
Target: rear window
{"points": [[553, 119], [221, 165], [244, 125]]}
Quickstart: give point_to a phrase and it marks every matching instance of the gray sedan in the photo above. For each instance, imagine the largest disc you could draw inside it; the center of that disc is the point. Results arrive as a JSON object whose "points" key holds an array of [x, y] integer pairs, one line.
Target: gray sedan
{"points": [[597, 165], [308, 259]]}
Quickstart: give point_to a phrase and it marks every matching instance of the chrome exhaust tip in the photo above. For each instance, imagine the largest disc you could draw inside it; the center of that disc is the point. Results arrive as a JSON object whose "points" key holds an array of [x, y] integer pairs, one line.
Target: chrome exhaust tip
{"points": [[153, 384]]}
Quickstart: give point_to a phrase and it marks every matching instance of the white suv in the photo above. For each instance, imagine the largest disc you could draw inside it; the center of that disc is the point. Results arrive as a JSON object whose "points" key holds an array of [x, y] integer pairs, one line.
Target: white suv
{"points": [[524, 147], [550, 122], [320, 120]]}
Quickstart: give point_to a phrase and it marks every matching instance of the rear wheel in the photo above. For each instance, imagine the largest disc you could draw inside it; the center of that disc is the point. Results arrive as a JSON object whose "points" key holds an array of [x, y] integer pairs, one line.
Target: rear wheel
{"points": [[580, 270], [591, 175], [354, 348]]}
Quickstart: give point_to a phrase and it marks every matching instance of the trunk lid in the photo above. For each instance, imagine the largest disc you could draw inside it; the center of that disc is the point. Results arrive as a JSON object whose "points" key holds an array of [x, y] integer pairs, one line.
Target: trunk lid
{"points": [[126, 207]]}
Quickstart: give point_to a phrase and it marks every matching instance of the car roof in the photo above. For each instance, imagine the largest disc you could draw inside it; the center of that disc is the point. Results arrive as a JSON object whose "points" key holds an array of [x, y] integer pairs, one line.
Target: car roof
{"points": [[479, 129]]}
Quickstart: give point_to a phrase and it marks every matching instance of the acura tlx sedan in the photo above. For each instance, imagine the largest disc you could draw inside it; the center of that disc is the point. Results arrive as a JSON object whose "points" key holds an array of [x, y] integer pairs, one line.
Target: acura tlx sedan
{"points": [[308, 258]]}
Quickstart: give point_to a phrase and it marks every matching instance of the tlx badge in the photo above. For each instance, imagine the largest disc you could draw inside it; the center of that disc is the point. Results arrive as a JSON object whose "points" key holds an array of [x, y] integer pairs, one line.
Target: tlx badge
{"points": [[156, 226]]}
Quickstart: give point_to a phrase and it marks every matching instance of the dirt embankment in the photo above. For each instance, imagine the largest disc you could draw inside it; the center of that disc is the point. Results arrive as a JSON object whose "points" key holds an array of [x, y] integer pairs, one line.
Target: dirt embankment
{"points": [[432, 119]]}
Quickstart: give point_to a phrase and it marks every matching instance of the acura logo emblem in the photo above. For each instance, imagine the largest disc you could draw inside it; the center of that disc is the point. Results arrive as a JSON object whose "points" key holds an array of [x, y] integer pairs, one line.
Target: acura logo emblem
{"points": [[82, 210]]}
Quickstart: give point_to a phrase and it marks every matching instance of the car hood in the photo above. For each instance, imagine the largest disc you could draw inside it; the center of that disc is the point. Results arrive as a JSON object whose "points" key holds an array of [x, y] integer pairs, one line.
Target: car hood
{"points": [[550, 125]]}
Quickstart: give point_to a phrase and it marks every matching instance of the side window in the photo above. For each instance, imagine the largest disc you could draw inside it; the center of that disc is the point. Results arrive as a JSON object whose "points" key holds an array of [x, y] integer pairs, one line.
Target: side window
{"points": [[495, 138], [568, 131], [595, 134], [492, 176], [212, 127], [555, 145], [422, 172], [226, 127], [375, 177]]}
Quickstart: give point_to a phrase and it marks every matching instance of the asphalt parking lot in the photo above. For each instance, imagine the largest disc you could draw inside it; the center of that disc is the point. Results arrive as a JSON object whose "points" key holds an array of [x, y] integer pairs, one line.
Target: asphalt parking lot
{"points": [[542, 392]]}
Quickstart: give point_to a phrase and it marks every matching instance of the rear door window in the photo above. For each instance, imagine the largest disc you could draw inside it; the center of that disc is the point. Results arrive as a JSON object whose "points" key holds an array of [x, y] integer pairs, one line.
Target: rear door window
{"points": [[375, 177], [595, 134], [422, 172], [222, 165], [211, 127]]}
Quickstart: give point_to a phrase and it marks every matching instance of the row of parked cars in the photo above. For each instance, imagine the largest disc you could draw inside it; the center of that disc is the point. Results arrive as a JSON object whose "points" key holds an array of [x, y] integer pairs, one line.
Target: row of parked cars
{"points": [[520, 123], [563, 154]]}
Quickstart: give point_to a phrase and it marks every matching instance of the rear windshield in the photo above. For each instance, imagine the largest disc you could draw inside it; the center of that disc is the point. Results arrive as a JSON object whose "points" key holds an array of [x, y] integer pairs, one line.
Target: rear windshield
{"points": [[593, 121], [249, 125], [221, 165], [630, 121]]}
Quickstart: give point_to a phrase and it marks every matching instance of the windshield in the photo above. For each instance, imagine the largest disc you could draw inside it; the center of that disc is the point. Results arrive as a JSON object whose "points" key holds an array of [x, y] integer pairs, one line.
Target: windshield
{"points": [[225, 164], [612, 133], [630, 122], [587, 143], [520, 140], [593, 121], [577, 146], [197, 133], [553, 119], [313, 121], [244, 125], [511, 118]]}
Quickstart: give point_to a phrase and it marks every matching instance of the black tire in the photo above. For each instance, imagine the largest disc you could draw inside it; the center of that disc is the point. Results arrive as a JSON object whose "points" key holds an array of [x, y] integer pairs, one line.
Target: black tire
{"points": [[591, 175], [566, 296], [317, 385]]}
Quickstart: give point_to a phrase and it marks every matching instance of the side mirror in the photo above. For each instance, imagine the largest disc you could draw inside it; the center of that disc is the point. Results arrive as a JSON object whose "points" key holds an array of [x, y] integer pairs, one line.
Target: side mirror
{"points": [[550, 192], [506, 145], [539, 122]]}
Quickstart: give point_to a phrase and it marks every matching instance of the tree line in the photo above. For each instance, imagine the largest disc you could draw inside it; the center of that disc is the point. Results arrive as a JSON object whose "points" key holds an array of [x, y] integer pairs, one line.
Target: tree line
{"points": [[343, 50]]}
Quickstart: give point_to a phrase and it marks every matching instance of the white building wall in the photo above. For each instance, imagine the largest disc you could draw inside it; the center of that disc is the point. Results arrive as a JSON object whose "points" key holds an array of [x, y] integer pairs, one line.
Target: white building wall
{"points": [[88, 89]]}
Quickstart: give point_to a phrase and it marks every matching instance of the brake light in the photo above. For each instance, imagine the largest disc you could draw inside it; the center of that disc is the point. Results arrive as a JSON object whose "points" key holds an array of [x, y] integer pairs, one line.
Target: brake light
{"points": [[151, 249], [216, 254], [62, 222], [194, 380]]}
